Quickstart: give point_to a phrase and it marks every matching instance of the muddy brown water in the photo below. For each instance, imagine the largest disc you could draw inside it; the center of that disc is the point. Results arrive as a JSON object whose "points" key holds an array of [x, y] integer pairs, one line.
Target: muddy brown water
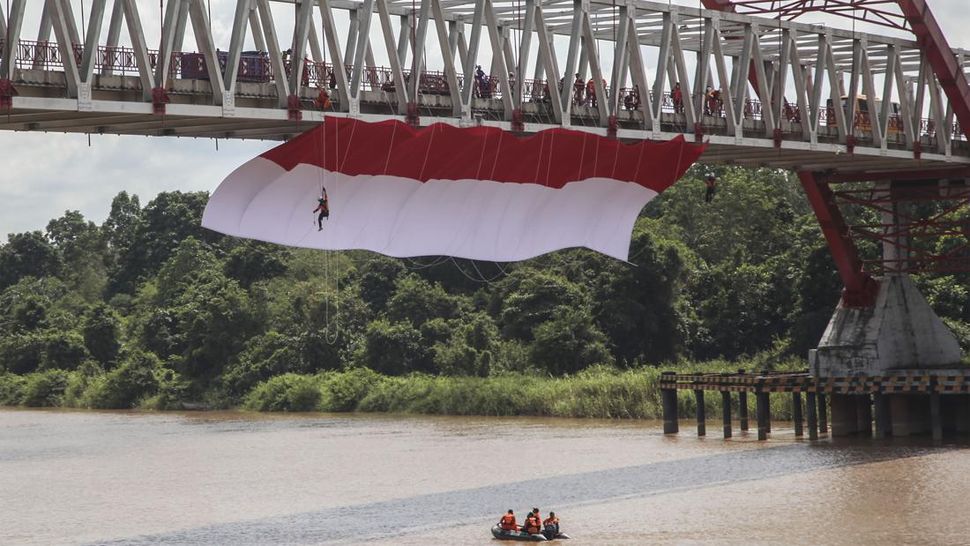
{"points": [[238, 478]]}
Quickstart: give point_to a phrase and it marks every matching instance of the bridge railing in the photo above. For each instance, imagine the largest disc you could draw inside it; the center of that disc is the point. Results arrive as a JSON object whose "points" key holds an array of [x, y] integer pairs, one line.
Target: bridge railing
{"points": [[257, 67]]}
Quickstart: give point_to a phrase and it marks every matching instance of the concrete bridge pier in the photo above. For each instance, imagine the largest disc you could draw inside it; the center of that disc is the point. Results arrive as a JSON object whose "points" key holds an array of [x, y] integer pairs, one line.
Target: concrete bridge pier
{"points": [[845, 415]]}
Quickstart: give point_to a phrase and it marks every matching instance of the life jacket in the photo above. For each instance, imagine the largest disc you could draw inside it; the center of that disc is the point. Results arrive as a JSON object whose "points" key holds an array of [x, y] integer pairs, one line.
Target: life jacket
{"points": [[532, 524], [507, 522], [551, 521]]}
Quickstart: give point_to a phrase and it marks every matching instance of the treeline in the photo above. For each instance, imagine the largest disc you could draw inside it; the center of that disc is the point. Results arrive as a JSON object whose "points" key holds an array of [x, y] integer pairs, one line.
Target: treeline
{"points": [[149, 309]]}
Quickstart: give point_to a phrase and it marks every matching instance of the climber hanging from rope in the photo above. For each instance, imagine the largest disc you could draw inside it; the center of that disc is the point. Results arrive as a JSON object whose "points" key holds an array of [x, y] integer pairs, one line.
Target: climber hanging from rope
{"points": [[323, 207]]}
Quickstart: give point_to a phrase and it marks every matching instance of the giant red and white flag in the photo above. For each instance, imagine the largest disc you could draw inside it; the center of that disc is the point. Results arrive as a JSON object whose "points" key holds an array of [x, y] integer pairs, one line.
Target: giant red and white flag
{"points": [[478, 193]]}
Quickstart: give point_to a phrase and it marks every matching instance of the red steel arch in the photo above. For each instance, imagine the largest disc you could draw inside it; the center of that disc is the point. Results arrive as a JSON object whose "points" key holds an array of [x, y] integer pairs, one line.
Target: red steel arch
{"points": [[910, 15]]}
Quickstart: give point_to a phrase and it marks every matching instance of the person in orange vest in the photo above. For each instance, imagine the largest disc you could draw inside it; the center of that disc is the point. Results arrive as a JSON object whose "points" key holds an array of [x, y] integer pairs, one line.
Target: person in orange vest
{"points": [[550, 526], [533, 522], [507, 523]]}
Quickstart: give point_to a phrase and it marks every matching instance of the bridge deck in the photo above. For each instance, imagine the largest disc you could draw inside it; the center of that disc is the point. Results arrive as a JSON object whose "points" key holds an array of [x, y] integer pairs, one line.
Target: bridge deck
{"points": [[115, 108]]}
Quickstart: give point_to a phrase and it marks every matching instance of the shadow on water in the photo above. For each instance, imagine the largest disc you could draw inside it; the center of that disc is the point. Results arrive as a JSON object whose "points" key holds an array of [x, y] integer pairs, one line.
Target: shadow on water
{"points": [[387, 519]]}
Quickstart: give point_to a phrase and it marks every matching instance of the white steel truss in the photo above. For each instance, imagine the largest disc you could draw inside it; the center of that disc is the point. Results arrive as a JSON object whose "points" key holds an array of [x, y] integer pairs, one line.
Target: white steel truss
{"points": [[761, 92]]}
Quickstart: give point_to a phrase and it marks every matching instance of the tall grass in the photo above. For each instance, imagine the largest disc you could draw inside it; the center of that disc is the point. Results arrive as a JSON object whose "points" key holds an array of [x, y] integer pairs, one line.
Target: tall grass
{"points": [[596, 393]]}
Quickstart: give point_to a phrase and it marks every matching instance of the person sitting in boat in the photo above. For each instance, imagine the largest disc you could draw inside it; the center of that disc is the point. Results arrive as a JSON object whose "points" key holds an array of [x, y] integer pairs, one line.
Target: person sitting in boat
{"points": [[550, 526], [507, 523], [533, 522]]}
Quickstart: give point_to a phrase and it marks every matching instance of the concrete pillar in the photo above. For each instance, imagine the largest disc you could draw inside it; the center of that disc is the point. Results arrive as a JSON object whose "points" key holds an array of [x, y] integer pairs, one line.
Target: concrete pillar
{"points": [[845, 422], [823, 413], [811, 408], [910, 414], [961, 412], [761, 406], [701, 418], [669, 399], [767, 406], [936, 416], [796, 405], [726, 412], [883, 420], [863, 414], [743, 410], [743, 407]]}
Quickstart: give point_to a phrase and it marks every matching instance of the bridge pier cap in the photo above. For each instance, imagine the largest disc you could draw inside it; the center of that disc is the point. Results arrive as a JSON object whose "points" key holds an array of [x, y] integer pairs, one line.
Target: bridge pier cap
{"points": [[900, 331]]}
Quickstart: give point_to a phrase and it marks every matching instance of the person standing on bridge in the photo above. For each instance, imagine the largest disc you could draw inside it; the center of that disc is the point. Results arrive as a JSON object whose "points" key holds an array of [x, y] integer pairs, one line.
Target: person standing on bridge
{"points": [[578, 87], [677, 96], [323, 207]]}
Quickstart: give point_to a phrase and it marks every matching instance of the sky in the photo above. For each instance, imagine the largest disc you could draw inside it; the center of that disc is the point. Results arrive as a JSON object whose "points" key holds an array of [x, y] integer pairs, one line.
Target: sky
{"points": [[42, 175]]}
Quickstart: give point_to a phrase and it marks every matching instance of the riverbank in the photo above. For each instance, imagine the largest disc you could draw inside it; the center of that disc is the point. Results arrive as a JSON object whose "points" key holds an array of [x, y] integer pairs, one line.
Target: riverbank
{"points": [[600, 392]]}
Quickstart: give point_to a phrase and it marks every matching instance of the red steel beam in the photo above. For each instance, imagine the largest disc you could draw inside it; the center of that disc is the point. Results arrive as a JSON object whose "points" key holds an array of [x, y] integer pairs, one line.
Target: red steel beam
{"points": [[933, 44], [860, 288]]}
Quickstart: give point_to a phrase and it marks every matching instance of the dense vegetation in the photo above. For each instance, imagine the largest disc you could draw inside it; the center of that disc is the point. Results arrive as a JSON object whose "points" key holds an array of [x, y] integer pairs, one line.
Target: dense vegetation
{"points": [[149, 309]]}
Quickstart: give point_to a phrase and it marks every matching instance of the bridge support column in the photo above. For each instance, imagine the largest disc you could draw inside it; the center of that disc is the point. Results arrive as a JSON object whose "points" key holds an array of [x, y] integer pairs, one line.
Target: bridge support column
{"points": [[845, 421], [743, 410], [763, 414], [823, 413], [883, 420], [910, 414], [812, 410], [669, 400], [701, 416], [863, 414], [936, 416]]}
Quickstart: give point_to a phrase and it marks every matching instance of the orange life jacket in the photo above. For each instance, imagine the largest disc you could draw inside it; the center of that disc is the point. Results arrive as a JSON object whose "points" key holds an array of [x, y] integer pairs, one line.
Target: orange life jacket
{"points": [[550, 521], [508, 522], [532, 524]]}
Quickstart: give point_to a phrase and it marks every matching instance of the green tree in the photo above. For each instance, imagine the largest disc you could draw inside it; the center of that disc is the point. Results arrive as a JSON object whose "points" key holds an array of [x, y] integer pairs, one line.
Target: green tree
{"points": [[529, 297], [164, 223], [378, 280], [470, 350], [637, 304], [102, 334], [252, 261], [27, 255], [83, 252], [419, 301], [264, 356], [395, 348], [568, 343]]}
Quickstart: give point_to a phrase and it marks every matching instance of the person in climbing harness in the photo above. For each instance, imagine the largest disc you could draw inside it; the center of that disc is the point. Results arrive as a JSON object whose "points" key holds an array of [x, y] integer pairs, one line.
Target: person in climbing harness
{"points": [[323, 207], [711, 182]]}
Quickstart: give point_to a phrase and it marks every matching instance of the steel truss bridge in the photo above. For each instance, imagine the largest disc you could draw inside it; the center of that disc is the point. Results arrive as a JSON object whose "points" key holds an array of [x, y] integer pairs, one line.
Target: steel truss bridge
{"points": [[833, 104]]}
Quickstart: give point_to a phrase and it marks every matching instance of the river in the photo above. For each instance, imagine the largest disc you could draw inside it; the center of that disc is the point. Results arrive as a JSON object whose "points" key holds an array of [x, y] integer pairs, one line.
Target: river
{"points": [[71, 477]]}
